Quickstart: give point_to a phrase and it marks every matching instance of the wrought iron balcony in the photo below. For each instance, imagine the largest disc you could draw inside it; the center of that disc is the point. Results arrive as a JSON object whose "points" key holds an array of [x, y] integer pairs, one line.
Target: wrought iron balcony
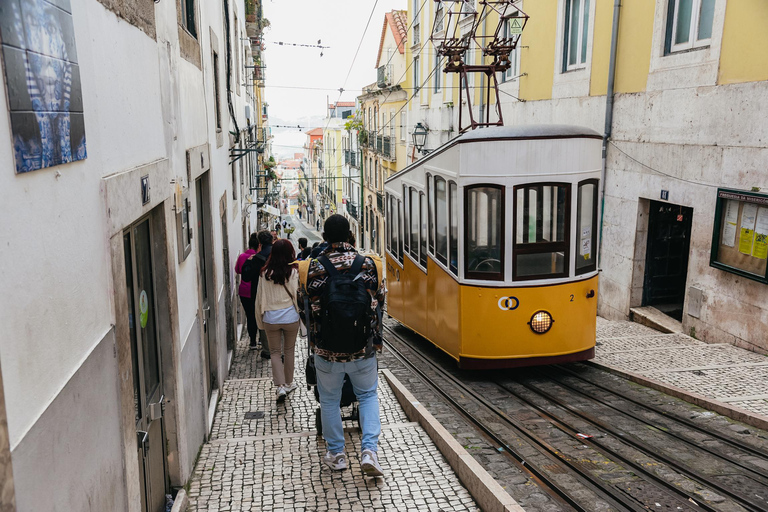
{"points": [[352, 209], [379, 143], [384, 76]]}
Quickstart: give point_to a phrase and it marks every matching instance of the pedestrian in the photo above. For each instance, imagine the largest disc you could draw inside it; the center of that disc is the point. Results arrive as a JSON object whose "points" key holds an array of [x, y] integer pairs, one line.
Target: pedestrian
{"points": [[277, 313], [303, 249], [244, 290], [251, 272], [317, 224], [346, 331], [274, 236], [318, 248], [288, 231]]}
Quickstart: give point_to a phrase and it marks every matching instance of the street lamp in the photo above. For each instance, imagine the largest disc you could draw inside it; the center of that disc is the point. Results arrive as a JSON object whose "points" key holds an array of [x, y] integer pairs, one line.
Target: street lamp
{"points": [[420, 137]]}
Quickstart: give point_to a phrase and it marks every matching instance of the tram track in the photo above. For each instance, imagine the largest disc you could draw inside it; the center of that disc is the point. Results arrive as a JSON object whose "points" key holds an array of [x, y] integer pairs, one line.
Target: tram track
{"points": [[559, 462], [642, 459]]}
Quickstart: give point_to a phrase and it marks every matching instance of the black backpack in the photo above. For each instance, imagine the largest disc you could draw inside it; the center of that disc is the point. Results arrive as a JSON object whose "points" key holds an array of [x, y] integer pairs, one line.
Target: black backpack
{"points": [[345, 309]]}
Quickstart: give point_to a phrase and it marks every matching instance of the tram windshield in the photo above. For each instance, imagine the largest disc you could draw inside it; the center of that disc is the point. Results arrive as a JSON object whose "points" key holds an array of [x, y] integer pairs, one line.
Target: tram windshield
{"points": [[541, 230]]}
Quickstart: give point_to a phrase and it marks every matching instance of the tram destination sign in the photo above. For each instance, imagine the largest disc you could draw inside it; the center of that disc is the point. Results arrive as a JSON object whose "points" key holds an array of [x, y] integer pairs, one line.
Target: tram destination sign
{"points": [[747, 198]]}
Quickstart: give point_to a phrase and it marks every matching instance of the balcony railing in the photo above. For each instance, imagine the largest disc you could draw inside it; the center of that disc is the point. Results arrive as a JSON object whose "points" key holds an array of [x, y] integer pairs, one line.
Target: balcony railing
{"points": [[384, 76], [379, 143], [352, 209]]}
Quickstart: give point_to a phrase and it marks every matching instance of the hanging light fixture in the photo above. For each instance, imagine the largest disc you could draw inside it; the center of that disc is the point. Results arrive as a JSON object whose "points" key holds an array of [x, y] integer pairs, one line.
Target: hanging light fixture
{"points": [[420, 137]]}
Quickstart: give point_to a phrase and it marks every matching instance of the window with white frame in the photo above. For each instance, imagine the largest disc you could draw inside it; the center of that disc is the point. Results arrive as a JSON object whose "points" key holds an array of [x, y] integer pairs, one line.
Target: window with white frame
{"points": [[416, 82], [575, 34], [439, 19], [509, 74], [402, 126], [689, 24], [438, 73]]}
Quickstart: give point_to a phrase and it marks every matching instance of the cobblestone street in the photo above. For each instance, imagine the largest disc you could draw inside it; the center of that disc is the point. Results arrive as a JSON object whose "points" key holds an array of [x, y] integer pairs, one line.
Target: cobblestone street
{"points": [[274, 462], [719, 371]]}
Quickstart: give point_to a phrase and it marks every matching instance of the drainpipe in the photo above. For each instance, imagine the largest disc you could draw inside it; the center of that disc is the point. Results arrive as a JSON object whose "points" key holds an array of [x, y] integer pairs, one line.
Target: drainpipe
{"points": [[608, 114]]}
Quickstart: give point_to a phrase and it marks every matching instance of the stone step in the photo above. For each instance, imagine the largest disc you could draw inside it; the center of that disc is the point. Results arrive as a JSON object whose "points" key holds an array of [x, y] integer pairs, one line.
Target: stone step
{"points": [[652, 317]]}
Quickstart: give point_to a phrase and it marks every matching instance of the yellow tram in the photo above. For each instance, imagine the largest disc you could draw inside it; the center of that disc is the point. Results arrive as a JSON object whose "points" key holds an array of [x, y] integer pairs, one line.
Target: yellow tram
{"points": [[491, 245]]}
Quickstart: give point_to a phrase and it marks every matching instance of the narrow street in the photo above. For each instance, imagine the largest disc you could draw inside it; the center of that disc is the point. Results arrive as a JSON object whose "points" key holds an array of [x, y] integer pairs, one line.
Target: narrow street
{"points": [[568, 199]]}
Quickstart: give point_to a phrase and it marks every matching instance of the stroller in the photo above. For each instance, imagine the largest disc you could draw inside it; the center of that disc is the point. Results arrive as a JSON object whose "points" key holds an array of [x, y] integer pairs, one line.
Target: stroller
{"points": [[348, 397]]}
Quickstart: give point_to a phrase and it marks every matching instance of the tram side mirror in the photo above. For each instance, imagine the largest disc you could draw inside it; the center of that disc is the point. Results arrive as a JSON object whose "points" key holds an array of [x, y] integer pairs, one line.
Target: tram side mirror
{"points": [[591, 294]]}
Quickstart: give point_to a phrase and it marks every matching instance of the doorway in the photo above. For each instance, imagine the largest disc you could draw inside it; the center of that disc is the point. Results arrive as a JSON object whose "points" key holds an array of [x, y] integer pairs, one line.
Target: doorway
{"points": [[207, 291], [228, 288], [146, 360], [666, 265]]}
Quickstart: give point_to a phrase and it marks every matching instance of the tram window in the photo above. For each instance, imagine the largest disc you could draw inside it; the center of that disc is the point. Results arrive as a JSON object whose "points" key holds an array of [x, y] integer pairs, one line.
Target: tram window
{"points": [[388, 216], [484, 231], [453, 246], [404, 232], [396, 227], [423, 237], [441, 221], [586, 221], [431, 212], [542, 213], [414, 227]]}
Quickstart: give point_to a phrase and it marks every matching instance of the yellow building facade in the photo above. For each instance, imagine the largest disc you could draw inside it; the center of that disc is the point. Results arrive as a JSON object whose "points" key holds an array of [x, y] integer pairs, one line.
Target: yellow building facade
{"points": [[681, 125]]}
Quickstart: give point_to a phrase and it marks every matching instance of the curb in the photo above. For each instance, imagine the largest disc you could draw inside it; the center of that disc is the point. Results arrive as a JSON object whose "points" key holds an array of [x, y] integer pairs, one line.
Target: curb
{"points": [[181, 503], [735, 413], [489, 495]]}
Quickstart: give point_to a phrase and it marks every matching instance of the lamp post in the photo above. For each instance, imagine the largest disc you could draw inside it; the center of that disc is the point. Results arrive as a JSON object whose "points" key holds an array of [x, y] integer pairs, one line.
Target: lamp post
{"points": [[420, 138]]}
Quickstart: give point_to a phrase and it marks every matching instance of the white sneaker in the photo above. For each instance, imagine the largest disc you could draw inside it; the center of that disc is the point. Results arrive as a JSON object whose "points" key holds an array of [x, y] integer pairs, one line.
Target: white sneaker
{"points": [[370, 464], [281, 394], [290, 387], [335, 461]]}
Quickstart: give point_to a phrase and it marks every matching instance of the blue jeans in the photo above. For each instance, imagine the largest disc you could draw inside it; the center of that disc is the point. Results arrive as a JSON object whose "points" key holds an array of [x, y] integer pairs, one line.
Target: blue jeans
{"points": [[364, 376]]}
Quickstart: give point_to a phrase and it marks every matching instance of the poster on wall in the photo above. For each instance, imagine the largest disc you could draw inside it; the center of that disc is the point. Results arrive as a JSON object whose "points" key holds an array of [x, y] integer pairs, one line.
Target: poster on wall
{"points": [[42, 78]]}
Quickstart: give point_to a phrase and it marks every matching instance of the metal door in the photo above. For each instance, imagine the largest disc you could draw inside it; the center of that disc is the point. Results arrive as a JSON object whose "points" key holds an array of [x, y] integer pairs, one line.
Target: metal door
{"points": [[205, 265], [145, 355], [666, 267]]}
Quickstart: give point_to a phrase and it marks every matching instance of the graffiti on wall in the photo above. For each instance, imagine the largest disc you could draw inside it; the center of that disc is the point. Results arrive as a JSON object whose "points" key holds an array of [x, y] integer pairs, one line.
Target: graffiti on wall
{"points": [[42, 78]]}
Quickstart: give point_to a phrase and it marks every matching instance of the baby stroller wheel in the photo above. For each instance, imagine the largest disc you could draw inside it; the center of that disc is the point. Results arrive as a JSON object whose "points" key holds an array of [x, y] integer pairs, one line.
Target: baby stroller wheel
{"points": [[318, 422]]}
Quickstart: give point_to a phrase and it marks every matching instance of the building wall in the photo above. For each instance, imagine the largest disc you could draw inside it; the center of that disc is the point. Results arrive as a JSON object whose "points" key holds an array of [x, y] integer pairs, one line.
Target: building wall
{"points": [[684, 122], [68, 388]]}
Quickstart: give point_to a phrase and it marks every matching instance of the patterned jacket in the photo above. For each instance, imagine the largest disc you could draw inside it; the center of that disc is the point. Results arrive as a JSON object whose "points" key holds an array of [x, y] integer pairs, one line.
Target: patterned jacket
{"points": [[342, 255]]}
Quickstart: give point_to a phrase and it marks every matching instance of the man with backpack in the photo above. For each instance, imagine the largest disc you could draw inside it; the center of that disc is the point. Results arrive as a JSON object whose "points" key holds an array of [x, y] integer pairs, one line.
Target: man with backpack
{"points": [[250, 272], [345, 296]]}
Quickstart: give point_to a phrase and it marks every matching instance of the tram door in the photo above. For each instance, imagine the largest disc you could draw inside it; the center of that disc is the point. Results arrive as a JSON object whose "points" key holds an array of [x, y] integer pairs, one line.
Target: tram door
{"points": [[145, 355], [666, 266]]}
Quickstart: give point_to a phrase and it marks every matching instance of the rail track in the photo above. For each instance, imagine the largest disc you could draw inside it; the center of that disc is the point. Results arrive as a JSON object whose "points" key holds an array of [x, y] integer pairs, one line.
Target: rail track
{"points": [[624, 454]]}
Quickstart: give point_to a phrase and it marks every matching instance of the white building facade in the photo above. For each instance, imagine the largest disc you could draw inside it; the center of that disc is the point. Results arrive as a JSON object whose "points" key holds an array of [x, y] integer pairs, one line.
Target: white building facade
{"points": [[119, 333]]}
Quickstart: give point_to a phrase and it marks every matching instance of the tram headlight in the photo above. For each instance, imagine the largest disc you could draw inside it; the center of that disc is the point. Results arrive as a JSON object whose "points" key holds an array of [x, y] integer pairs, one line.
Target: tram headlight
{"points": [[541, 322]]}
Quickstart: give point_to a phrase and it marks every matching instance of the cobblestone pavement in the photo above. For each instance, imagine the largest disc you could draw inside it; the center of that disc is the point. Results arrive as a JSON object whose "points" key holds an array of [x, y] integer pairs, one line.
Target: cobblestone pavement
{"points": [[274, 462], [719, 371]]}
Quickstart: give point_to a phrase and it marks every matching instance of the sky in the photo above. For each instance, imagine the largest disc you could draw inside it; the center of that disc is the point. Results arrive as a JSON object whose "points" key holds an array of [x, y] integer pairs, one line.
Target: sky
{"points": [[340, 25]]}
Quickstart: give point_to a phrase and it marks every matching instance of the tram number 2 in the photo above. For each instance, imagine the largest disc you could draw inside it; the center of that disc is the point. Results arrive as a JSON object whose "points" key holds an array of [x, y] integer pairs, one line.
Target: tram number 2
{"points": [[508, 303], [571, 297]]}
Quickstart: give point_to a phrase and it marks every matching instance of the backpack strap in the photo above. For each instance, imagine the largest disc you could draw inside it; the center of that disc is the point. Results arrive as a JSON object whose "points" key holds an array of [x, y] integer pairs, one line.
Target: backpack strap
{"points": [[327, 265], [357, 265]]}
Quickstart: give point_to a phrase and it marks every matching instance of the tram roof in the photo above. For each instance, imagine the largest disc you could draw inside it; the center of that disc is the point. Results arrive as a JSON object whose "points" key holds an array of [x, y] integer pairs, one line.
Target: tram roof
{"points": [[513, 132], [532, 131]]}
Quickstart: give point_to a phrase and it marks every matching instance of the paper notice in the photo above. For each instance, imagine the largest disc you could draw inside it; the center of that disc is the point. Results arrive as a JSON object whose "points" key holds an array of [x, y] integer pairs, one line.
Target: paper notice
{"points": [[747, 234], [586, 248], [729, 226], [760, 248]]}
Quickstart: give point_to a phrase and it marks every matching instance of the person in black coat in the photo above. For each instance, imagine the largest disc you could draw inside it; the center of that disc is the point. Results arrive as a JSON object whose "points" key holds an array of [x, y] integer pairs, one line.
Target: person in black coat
{"points": [[251, 272]]}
